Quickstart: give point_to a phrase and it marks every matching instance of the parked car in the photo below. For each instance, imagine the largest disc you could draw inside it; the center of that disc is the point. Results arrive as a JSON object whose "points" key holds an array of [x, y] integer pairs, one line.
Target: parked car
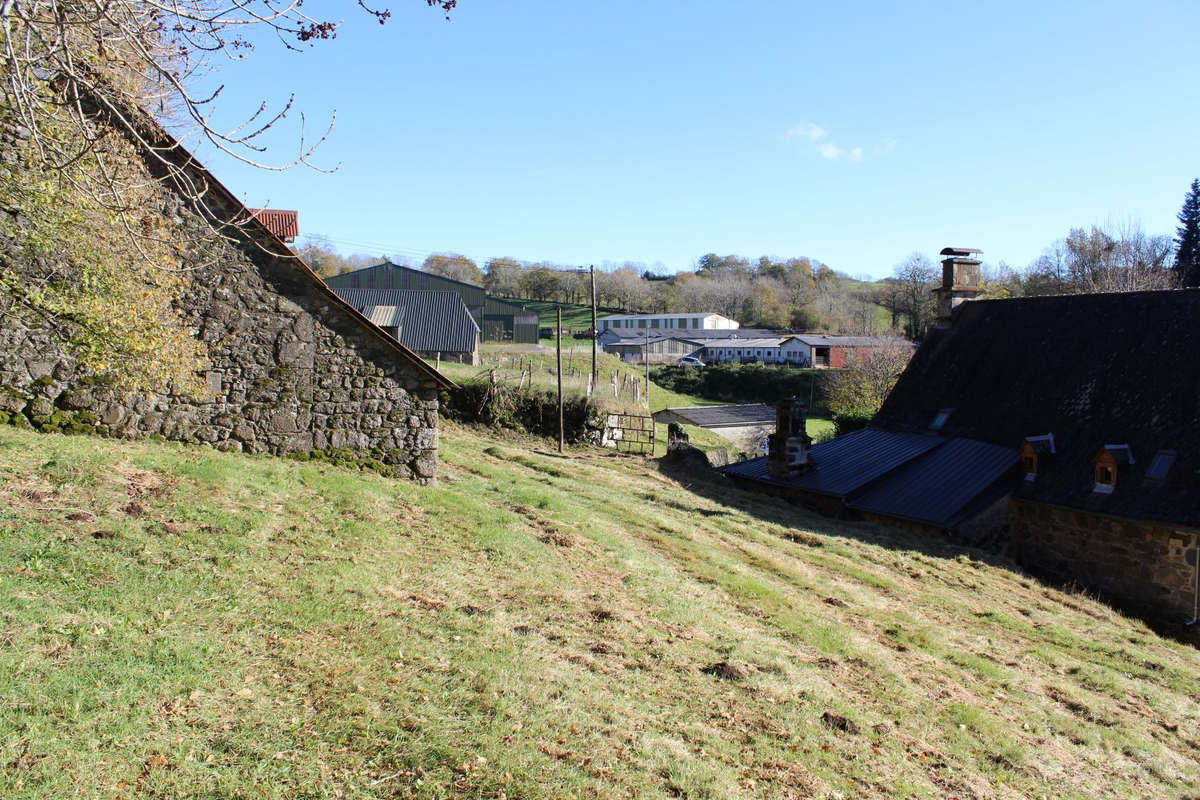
{"points": [[691, 361]]}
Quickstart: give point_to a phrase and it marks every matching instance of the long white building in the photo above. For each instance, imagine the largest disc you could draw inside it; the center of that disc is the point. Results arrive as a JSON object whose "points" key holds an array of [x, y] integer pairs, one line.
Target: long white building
{"points": [[704, 321]]}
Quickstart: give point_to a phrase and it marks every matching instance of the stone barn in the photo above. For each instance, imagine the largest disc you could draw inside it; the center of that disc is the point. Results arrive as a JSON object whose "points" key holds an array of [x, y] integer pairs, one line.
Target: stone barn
{"points": [[293, 368]]}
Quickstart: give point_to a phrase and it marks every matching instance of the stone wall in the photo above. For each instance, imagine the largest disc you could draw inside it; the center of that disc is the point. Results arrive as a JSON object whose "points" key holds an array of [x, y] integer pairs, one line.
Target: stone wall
{"points": [[1146, 568], [291, 373]]}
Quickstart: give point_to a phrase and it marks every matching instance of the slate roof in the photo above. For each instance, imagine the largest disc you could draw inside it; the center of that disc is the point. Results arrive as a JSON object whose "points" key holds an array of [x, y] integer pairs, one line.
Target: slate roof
{"points": [[945, 485], [428, 321], [1093, 370], [846, 464], [724, 416]]}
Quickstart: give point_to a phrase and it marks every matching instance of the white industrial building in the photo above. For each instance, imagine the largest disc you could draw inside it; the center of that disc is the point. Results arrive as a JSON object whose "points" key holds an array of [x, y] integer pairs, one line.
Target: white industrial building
{"points": [[679, 322]]}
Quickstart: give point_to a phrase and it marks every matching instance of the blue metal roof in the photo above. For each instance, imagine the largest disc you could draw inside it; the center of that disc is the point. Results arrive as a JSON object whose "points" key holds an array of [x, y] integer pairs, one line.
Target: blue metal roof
{"points": [[939, 486], [843, 465]]}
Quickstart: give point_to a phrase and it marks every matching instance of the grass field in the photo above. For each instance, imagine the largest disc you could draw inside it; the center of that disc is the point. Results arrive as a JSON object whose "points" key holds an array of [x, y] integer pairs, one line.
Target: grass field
{"points": [[176, 622]]}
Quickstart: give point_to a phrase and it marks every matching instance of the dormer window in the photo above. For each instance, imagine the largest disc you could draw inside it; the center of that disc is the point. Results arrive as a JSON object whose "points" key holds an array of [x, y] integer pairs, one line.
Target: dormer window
{"points": [[1108, 461], [940, 418], [1033, 450]]}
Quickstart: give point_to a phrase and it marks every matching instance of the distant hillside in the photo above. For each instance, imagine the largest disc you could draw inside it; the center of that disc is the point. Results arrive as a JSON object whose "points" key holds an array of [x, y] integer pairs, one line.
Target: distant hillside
{"points": [[184, 623]]}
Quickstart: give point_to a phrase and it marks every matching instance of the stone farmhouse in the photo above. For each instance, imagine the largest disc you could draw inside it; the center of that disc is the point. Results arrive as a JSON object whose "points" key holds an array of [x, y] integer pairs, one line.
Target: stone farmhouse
{"points": [[1065, 427], [294, 368]]}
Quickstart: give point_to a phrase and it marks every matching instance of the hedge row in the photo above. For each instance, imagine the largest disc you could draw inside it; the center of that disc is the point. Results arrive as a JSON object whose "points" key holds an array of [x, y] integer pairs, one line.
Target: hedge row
{"points": [[747, 383]]}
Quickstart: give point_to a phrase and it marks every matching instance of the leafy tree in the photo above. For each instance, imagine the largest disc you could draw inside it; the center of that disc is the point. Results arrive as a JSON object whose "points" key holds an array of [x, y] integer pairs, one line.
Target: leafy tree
{"points": [[916, 276], [85, 246], [319, 253], [861, 388], [454, 266], [1096, 259], [1187, 240], [502, 276]]}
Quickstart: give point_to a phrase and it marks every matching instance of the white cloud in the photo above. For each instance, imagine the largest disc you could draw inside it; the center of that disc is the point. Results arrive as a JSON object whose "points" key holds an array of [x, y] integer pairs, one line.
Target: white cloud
{"points": [[827, 148], [831, 151], [809, 130]]}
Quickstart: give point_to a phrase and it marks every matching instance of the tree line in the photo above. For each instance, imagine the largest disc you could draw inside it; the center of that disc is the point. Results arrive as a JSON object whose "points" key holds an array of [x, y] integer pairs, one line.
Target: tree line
{"points": [[805, 293]]}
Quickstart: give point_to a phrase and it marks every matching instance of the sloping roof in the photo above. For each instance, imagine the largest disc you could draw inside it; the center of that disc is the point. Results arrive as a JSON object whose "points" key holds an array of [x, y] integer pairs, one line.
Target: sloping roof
{"points": [[644, 339], [731, 334], [942, 486], [1091, 369], [385, 316], [846, 464], [160, 147], [285, 225], [772, 341], [418, 273], [821, 340], [428, 321], [723, 416], [665, 315]]}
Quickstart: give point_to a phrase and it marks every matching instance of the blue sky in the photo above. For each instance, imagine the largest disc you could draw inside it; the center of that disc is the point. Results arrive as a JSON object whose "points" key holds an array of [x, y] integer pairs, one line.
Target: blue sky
{"points": [[656, 132]]}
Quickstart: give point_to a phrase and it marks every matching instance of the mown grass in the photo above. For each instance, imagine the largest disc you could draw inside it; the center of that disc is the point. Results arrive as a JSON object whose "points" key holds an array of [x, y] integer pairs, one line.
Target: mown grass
{"points": [[180, 623]]}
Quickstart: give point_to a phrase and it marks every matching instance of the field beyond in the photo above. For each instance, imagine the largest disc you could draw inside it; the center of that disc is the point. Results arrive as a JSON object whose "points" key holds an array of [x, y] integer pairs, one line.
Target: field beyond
{"points": [[176, 622]]}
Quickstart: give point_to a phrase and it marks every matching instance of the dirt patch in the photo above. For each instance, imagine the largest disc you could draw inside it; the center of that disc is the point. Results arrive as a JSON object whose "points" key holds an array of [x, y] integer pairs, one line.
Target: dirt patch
{"points": [[836, 722], [103, 534], [728, 670]]}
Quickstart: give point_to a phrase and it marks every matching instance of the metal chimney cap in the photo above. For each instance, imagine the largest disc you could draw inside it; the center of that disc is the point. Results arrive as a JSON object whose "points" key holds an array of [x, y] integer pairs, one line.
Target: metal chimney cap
{"points": [[959, 251]]}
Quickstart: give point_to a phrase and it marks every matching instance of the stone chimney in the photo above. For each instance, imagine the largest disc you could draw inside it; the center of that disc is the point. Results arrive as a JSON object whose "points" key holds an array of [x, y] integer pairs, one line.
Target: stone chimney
{"points": [[787, 447], [961, 279]]}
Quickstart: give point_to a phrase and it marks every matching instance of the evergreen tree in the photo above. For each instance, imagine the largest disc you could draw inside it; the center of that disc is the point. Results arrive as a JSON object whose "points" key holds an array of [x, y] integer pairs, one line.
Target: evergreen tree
{"points": [[1187, 257]]}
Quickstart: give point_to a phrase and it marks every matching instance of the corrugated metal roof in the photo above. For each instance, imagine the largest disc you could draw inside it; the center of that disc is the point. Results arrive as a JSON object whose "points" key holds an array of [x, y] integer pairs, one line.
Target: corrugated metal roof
{"points": [[433, 321], [938, 486], [385, 316], [724, 416], [284, 224], [847, 463]]}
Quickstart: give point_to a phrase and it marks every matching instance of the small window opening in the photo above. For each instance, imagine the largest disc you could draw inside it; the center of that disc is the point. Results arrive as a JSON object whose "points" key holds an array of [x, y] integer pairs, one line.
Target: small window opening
{"points": [[1106, 478], [1029, 462], [1160, 465], [940, 419]]}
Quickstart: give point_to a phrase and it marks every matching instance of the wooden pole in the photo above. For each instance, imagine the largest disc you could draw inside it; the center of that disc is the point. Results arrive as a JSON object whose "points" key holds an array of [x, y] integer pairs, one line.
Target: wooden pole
{"points": [[648, 374], [593, 271], [558, 355]]}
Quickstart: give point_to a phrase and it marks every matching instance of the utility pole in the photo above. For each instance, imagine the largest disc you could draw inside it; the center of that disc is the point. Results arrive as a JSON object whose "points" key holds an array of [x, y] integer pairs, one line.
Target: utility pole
{"points": [[592, 268], [558, 356], [647, 351]]}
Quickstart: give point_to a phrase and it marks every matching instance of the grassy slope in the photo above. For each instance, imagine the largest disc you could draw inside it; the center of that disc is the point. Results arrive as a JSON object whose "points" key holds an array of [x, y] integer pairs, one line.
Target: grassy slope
{"points": [[229, 626]]}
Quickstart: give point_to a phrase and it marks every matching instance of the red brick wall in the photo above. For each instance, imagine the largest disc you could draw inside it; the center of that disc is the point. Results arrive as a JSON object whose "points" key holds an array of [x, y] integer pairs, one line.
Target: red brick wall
{"points": [[1137, 565], [844, 356]]}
